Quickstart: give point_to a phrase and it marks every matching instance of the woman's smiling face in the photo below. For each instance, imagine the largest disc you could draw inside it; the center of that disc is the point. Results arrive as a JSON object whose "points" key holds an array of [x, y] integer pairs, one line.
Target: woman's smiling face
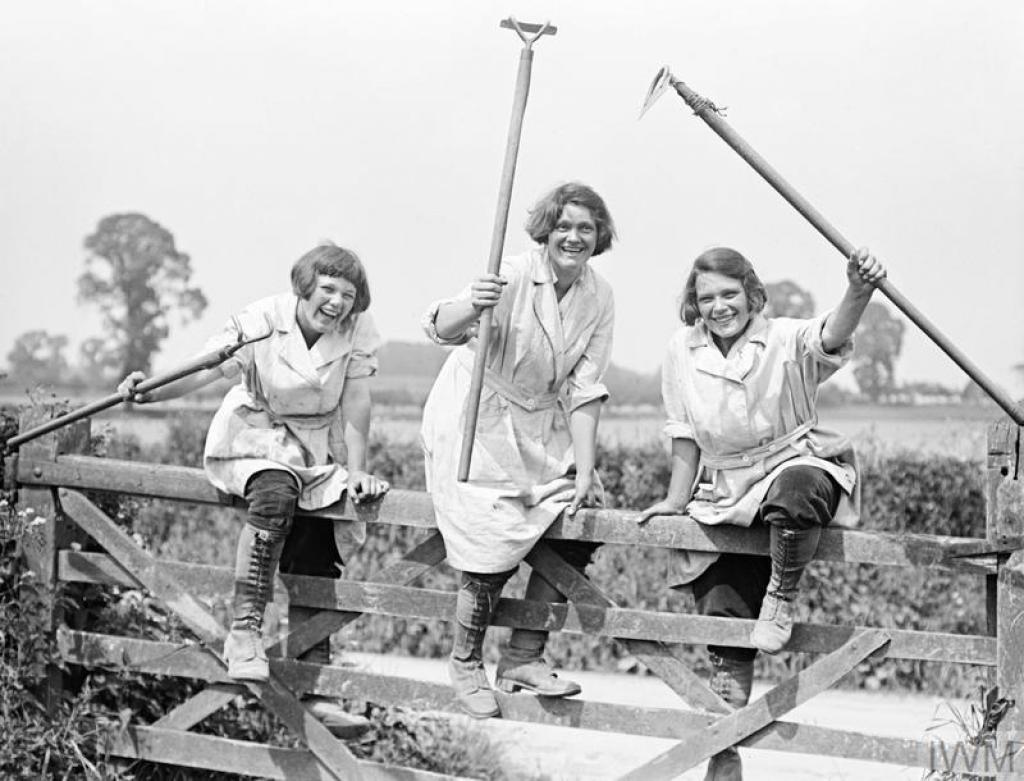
{"points": [[571, 243], [329, 303], [723, 306]]}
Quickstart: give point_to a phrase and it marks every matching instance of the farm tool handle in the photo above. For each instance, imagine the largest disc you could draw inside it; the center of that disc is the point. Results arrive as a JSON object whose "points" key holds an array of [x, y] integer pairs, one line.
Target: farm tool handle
{"points": [[206, 361], [707, 111], [528, 34]]}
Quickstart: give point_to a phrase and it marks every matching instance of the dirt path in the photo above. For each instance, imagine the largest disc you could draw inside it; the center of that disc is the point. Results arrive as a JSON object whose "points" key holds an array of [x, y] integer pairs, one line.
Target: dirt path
{"points": [[545, 752]]}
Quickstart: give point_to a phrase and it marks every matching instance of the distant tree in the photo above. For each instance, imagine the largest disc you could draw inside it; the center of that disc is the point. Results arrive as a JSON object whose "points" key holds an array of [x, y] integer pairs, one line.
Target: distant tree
{"points": [[137, 277], [98, 362], [788, 299], [37, 358], [878, 344]]}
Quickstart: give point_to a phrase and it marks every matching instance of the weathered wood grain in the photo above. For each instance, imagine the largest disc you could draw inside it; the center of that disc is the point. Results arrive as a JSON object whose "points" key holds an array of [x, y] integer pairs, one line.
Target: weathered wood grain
{"points": [[336, 758], [1005, 521], [161, 658], [412, 508], [415, 563], [206, 752], [731, 729], [355, 598]]}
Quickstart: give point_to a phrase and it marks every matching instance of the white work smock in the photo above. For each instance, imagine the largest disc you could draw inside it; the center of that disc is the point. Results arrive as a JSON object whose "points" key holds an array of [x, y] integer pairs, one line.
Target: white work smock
{"points": [[752, 414], [285, 413], [546, 358]]}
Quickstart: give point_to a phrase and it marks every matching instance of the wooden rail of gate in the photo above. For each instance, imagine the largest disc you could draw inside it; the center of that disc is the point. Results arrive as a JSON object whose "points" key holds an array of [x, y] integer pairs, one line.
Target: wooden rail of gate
{"points": [[51, 478]]}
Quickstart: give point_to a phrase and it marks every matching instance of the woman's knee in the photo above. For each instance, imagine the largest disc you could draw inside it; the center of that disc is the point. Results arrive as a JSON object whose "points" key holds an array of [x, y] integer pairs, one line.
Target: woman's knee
{"points": [[801, 497], [273, 496]]}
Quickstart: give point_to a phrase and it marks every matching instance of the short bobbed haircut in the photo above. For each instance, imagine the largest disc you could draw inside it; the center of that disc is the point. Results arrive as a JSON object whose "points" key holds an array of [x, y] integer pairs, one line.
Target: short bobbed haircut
{"points": [[333, 261], [545, 213], [727, 262]]}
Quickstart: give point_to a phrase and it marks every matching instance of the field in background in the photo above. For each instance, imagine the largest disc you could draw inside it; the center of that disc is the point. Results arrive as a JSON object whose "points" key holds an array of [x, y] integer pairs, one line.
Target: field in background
{"points": [[957, 431]]}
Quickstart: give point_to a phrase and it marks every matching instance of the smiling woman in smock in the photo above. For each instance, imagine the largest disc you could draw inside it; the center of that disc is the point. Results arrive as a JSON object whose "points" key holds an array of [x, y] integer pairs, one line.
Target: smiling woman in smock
{"points": [[534, 451], [291, 434], [740, 391]]}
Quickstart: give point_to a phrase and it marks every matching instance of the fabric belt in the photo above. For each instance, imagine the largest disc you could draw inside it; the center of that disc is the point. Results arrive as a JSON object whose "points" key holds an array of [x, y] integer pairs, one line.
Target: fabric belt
{"points": [[759, 453], [511, 391], [518, 395]]}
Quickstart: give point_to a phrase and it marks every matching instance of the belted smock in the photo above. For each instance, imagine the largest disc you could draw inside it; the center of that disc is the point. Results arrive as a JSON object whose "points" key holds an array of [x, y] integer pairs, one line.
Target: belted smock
{"points": [[752, 414], [546, 358], [285, 412]]}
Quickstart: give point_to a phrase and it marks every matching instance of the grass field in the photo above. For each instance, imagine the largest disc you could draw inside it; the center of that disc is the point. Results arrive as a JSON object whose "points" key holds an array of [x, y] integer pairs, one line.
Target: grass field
{"points": [[956, 431]]}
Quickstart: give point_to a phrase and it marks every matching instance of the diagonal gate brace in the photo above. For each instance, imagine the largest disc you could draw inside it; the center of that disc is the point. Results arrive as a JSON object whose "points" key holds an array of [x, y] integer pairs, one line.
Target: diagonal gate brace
{"points": [[663, 659], [412, 565], [741, 724], [328, 750]]}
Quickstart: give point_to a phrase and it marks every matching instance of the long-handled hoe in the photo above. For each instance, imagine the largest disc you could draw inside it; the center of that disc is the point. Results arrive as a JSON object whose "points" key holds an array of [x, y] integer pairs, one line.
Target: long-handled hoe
{"points": [[205, 361], [711, 115], [528, 34]]}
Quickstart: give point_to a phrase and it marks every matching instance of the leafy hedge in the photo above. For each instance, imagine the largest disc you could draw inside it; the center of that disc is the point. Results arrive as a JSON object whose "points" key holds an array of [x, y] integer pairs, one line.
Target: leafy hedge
{"points": [[72, 742], [903, 491]]}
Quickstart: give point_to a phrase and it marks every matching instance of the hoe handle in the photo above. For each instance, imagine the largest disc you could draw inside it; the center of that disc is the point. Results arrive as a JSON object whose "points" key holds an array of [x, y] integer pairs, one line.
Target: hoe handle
{"points": [[508, 172], [706, 110]]}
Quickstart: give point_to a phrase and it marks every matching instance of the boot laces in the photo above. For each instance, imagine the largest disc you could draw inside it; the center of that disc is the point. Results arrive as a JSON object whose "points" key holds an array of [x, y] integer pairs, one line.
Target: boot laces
{"points": [[260, 574]]}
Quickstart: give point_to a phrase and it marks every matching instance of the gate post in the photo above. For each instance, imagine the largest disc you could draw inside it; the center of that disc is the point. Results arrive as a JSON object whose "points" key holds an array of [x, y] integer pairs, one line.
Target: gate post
{"points": [[42, 542], [1004, 526]]}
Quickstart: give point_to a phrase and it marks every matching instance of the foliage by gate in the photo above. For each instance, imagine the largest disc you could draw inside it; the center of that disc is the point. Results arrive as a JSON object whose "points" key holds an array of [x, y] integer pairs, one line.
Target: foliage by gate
{"points": [[52, 478]]}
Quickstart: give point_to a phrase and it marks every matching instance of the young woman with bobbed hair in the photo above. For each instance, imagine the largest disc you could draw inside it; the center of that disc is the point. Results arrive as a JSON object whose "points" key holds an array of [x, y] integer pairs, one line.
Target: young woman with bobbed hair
{"points": [[534, 451], [740, 391], [291, 434]]}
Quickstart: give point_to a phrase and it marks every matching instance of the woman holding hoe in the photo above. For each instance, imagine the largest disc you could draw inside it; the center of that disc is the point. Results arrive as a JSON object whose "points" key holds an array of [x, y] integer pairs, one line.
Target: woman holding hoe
{"points": [[291, 434], [534, 447], [740, 392]]}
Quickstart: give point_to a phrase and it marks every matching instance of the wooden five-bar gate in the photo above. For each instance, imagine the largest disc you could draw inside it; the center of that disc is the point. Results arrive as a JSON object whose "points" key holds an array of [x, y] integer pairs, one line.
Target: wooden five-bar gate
{"points": [[51, 477]]}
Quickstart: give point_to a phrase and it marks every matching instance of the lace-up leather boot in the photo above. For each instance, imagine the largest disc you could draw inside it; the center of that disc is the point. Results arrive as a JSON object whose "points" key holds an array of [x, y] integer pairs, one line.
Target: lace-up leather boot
{"points": [[791, 550], [474, 606], [255, 565]]}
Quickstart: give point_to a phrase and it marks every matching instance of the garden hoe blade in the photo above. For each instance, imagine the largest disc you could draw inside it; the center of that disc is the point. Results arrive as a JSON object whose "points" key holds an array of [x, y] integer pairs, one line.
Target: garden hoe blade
{"points": [[662, 81]]}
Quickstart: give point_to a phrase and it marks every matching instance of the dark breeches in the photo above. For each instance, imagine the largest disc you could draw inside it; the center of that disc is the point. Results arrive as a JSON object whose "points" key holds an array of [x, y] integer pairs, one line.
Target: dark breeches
{"points": [[309, 548], [734, 586]]}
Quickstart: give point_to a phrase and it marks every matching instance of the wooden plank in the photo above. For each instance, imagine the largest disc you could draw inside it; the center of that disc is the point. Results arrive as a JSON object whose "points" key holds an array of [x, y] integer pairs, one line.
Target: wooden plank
{"points": [[1004, 520], [199, 706], [361, 597], [663, 660], [412, 508], [421, 559], [152, 657], [414, 564], [789, 694], [42, 541], [206, 752], [328, 749]]}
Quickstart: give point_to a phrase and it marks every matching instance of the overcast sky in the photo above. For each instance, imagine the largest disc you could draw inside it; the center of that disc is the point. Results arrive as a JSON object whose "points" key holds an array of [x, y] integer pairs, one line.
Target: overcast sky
{"points": [[253, 129]]}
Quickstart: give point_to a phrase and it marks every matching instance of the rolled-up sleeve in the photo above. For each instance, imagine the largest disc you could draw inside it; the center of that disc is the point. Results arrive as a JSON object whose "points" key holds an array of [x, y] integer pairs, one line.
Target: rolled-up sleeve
{"points": [[677, 423], [429, 321], [366, 342], [586, 380], [810, 335]]}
